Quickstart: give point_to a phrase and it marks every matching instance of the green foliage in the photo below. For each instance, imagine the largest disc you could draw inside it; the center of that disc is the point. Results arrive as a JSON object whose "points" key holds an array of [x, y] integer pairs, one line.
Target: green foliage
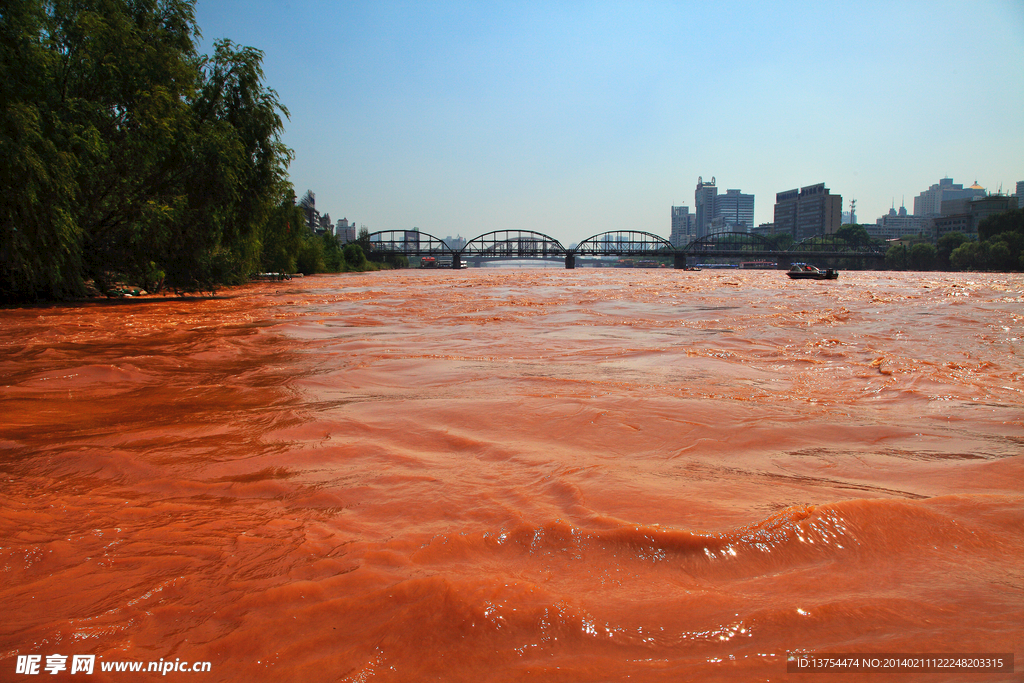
{"points": [[1001, 247], [124, 155], [355, 258], [969, 256], [289, 247], [334, 260], [853, 234], [922, 256], [1005, 251], [236, 180], [1006, 222], [896, 257], [997, 255], [1000, 256], [40, 241], [281, 237], [945, 246], [243, 117], [124, 74], [310, 258], [782, 241]]}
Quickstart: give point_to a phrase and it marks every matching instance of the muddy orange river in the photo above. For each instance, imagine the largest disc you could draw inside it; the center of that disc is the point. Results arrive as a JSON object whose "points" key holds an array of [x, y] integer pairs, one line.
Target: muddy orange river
{"points": [[513, 474]]}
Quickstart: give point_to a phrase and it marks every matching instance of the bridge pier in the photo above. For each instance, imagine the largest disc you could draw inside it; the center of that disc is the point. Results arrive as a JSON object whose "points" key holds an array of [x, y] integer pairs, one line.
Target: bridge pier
{"points": [[785, 262], [456, 261], [570, 261], [680, 262]]}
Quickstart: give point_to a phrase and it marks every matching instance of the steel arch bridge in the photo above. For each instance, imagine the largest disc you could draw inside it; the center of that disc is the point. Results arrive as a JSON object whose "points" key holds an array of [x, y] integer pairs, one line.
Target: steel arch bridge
{"points": [[511, 244]]}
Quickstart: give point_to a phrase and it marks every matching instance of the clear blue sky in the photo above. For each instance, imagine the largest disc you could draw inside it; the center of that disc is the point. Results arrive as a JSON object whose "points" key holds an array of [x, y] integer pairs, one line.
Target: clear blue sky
{"points": [[573, 118]]}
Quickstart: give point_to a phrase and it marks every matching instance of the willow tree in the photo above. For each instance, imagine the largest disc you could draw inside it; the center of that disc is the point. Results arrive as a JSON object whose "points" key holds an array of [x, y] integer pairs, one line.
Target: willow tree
{"points": [[238, 173], [126, 70], [124, 154], [40, 240]]}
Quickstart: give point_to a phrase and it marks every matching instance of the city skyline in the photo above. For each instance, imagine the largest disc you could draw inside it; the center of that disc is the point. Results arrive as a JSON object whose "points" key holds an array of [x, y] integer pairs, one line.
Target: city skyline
{"points": [[577, 119]]}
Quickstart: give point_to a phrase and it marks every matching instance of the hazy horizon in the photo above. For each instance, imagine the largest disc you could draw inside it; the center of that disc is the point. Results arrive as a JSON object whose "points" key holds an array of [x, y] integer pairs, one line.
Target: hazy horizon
{"points": [[573, 119]]}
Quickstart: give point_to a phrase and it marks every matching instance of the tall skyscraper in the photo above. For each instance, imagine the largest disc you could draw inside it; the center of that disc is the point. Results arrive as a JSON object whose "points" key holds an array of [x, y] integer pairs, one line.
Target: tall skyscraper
{"points": [[732, 211], [810, 211], [704, 206], [682, 226]]}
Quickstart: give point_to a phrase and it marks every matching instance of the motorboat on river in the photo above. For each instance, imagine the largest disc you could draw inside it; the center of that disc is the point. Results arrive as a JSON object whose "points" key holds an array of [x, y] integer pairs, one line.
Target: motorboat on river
{"points": [[802, 271]]}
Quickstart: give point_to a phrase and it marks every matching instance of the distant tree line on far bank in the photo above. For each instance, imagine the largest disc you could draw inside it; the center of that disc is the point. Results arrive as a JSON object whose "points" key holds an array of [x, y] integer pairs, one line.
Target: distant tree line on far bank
{"points": [[126, 156], [999, 248]]}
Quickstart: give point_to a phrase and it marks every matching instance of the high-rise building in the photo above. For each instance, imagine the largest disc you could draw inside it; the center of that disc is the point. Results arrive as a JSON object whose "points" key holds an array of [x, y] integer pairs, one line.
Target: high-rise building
{"points": [[786, 205], [971, 213], [807, 212], [736, 210], [929, 202], [345, 231], [324, 225], [1020, 191], [455, 243], [308, 205], [682, 226], [764, 229], [704, 206], [719, 212], [411, 238], [983, 207]]}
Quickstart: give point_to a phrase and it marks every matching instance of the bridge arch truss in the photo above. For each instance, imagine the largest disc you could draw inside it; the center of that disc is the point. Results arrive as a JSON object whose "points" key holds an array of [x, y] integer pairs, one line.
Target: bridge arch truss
{"points": [[733, 243], [624, 243], [409, 243], [513, 244]]}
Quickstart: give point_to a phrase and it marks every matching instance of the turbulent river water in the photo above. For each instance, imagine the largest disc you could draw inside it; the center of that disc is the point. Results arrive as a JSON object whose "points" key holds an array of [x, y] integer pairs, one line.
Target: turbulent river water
{"points": [[502, 475]]}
